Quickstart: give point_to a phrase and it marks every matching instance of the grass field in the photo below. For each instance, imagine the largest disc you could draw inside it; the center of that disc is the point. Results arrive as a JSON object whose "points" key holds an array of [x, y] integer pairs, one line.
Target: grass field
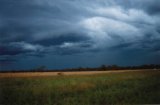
{"points": [[130, 87]]}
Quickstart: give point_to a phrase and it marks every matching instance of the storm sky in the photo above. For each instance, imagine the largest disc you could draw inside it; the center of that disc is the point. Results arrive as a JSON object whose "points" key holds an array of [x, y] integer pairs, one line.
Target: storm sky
{"points": [[78, 33]]}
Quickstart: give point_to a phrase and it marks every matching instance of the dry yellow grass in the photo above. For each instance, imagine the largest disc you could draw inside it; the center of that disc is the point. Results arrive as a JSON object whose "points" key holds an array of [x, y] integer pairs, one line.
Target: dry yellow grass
{"points": [[40, 74]]}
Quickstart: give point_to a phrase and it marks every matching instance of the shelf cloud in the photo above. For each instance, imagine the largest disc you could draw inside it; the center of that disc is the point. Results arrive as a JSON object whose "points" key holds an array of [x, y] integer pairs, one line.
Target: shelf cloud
{"points": [[65, 29]]}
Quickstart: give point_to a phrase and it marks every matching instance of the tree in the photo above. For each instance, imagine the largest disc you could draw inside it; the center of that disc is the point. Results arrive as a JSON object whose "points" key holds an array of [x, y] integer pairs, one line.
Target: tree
{"points": [[41, 68], [103, 67]]}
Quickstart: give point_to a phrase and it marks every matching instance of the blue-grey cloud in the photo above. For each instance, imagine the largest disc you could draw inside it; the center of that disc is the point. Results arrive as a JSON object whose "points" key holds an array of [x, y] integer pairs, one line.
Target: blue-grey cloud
{"points": [[58, 27]]}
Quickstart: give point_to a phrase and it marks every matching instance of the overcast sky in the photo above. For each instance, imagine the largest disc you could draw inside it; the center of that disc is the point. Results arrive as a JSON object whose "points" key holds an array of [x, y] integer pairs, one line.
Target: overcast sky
{"points": [[78, 33]]}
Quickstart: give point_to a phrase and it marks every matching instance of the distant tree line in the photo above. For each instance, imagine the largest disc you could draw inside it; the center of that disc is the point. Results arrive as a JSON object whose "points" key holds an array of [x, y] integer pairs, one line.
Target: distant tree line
{"points": [[101, 68], [116, 67]]}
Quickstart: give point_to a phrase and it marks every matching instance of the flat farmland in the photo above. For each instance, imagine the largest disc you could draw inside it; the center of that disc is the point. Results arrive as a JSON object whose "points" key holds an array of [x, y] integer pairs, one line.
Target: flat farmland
{"points": [[80, 88], [45, 74]]}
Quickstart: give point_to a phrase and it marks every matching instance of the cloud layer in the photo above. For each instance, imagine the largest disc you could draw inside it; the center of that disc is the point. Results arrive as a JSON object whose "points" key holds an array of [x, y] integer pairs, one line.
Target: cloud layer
{"points": [[58, 27]]}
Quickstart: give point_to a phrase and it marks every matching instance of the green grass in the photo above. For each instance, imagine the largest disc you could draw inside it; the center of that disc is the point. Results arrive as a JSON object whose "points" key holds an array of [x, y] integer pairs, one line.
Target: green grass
{"points": [[141, 87]]}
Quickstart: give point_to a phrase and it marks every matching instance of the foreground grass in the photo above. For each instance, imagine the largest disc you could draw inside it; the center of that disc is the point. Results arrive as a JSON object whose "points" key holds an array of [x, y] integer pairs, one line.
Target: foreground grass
{"points": [[137, 87]]}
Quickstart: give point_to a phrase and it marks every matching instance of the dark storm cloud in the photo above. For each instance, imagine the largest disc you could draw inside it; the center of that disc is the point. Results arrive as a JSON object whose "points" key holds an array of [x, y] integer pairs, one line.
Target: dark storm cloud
{"points": [[58, 40], [151, 6], [17, 48], [58, 27], [8, 50], [39, 22], [6, 61]]}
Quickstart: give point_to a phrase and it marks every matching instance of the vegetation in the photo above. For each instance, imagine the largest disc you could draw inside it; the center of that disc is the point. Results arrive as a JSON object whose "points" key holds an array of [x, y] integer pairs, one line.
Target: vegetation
{"points": [[136, 87], [101, 68]]}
